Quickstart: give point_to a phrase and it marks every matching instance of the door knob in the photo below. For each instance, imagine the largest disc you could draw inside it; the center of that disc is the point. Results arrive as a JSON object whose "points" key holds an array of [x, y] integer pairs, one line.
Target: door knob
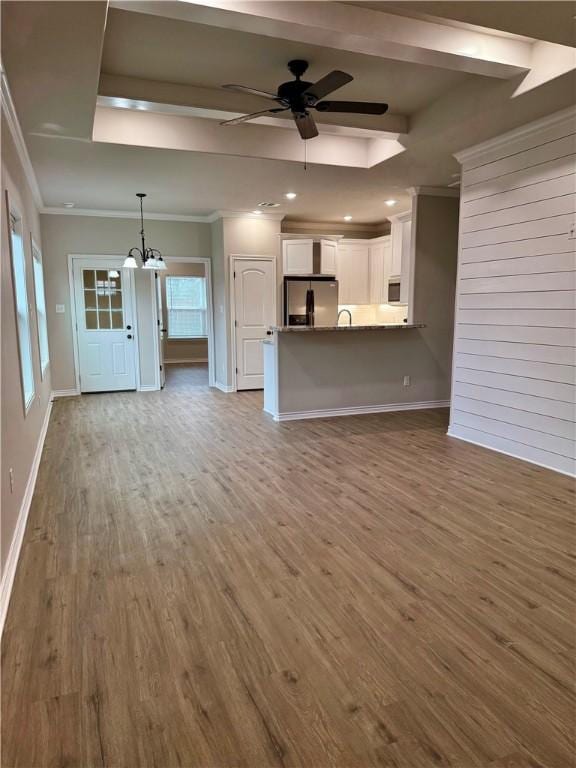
{"points": [[129, 336]]}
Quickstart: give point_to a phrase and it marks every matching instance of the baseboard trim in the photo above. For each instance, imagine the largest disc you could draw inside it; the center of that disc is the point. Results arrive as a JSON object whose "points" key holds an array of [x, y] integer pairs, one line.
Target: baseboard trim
{"points": [[64, 393], [148, 388], [359, 410], [17, 539], [223, 387], [186, 360], [516, 456]]}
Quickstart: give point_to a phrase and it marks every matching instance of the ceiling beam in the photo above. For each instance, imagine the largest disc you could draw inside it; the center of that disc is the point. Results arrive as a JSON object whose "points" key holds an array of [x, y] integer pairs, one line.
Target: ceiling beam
{"points": [[196, 134], [176, 94], [354, 29]]}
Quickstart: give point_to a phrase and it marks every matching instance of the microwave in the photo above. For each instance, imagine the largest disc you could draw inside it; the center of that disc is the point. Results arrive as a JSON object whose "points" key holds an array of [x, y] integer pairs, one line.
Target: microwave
{"points": [[394, 290]]}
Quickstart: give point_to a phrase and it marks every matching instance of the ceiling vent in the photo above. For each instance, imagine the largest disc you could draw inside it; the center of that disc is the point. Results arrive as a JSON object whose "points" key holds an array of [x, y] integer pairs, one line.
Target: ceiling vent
{"points": [[268, 205]]}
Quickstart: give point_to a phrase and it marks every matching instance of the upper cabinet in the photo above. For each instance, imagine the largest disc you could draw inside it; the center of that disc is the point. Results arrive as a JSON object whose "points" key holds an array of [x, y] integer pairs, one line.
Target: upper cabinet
{"points": [[380, 269], [328, 256], [353, 272], [298, 256], [401, 255]]}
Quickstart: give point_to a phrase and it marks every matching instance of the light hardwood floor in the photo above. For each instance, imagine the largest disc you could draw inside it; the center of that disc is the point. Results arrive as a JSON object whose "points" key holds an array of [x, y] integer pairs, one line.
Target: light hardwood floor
{"points": [[200, 586]]}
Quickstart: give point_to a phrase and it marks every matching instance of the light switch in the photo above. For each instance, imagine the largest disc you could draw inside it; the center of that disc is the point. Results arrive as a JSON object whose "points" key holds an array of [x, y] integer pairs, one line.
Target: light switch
{"points": [[60, 308]]}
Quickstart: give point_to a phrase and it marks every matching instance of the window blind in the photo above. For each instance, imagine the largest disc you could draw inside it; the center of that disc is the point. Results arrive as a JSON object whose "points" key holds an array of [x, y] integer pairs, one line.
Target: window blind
{"points": [[186, 307]]}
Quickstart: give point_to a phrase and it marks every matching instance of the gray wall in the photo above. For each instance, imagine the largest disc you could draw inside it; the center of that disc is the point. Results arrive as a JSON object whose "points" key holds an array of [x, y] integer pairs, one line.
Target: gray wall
{"points": [[86, 235], [236, 236], [20, 432], [434, 266]]}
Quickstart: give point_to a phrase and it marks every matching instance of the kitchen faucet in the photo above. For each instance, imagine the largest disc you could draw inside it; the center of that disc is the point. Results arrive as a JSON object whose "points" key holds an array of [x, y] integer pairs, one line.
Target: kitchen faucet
{"points": [[349, 315]]}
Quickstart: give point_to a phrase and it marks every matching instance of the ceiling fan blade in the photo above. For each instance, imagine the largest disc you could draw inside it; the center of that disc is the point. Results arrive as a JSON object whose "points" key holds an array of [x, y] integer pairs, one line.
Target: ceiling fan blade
{"points": [[244, 118], [253, 91], [328, 83], [354, 107], [306, 126]]}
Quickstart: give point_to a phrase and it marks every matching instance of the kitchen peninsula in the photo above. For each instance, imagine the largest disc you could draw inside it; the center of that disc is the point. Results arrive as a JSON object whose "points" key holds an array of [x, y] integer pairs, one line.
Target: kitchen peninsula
{"points": [[316, 372], [313, 371]]}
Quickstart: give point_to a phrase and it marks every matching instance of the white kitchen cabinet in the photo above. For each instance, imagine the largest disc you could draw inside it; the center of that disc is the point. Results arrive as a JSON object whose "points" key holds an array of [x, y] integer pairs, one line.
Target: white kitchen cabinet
{"points": [[353, 272], [380, 269], [298, 256], [328, 256]]}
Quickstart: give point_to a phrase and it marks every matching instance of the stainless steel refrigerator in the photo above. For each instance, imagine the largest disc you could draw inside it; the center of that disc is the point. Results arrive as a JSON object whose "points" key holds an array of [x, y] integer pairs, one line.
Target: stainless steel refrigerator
{"points": [[311, 301]]}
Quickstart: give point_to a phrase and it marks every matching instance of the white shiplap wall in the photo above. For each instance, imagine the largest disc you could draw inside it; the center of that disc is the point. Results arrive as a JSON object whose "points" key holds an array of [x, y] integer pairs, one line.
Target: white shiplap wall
{"points": [[513, 383]]}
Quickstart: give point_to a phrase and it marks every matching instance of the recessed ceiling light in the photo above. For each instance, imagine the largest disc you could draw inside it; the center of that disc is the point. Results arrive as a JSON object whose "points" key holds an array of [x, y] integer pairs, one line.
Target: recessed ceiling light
{"points": [[348, 218], [68, 205], [268, 205], [290, 195], [390, 203], [257, 213]]}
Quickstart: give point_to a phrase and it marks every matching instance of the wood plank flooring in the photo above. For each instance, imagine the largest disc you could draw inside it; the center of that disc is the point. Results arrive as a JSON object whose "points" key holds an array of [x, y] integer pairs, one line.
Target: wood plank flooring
{"points": [[202, 587]]}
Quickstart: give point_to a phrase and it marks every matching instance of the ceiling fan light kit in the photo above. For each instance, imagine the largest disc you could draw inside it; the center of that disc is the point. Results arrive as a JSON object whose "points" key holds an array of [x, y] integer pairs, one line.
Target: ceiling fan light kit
{"points": [[299, 97]]}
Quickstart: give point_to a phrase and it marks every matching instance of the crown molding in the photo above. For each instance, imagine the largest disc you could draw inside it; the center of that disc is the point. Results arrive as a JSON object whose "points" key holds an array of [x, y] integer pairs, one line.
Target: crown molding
{"points": [[434, 191], [567, 116], [9, 111], [342, 226], [247, 215], [403, 216], [206, 219], [125, 214]]}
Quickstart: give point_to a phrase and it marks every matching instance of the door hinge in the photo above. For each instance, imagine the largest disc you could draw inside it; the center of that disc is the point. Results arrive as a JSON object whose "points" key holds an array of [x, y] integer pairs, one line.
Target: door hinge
{"points": [[236, 323], [160, 367], [236, 370], [155, 275], [234, 274]]}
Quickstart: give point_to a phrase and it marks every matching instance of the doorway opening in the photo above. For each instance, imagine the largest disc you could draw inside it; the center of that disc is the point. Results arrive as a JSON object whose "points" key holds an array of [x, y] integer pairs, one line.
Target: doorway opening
{"points": [[185, 324]]}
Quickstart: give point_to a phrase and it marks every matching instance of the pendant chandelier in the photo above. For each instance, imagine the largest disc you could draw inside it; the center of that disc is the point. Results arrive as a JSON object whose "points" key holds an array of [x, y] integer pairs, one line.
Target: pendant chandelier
{"points": [[151, 258]]}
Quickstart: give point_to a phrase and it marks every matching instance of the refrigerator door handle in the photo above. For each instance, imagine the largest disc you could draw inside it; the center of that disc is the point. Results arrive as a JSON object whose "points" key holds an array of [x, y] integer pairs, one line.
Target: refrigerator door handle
{"points": [[309, 307]]}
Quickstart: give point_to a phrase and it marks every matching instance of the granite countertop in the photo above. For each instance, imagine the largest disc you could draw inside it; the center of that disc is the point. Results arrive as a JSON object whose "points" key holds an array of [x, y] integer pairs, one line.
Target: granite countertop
{"points": [[322, 328]]}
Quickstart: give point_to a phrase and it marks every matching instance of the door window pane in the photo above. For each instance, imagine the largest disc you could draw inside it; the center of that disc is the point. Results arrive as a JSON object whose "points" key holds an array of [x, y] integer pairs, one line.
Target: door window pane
{"points": [[104, 319], [103, 299], [116, 299], [91, 320], [88, 275], [90, 299], [117, 320]]}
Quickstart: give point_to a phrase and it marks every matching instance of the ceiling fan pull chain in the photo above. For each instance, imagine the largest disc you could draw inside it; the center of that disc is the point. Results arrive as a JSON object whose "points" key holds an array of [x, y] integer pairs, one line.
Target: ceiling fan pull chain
{"points": [[305, 156]]}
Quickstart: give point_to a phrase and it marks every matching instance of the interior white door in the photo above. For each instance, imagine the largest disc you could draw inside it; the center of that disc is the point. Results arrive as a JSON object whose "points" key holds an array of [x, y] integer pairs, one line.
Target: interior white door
{"points": [[105, 327], [255, 310]]}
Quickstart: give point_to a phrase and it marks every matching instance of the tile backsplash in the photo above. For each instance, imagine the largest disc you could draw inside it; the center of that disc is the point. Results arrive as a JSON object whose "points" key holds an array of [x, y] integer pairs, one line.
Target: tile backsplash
{"points": [[374, 314]]}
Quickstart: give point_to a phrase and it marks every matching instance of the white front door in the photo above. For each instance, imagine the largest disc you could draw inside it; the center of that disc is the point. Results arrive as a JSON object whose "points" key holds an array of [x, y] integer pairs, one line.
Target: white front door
{"points": [[255, 303], [105, 326]]}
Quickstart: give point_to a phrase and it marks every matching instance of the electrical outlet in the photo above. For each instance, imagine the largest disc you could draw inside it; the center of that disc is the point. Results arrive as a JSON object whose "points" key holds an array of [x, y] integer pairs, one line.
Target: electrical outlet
{"points": [[11, 480], [406, 381]]}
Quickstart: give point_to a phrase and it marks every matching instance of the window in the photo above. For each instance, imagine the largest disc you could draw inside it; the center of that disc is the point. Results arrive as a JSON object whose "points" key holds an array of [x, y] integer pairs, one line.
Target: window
{"points": [[186, 304], [40, 309], [22, 311]]}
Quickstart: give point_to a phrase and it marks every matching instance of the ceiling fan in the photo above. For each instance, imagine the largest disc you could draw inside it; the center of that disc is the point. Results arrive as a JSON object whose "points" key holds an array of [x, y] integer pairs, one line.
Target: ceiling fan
{"points": [[299, 97]]}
